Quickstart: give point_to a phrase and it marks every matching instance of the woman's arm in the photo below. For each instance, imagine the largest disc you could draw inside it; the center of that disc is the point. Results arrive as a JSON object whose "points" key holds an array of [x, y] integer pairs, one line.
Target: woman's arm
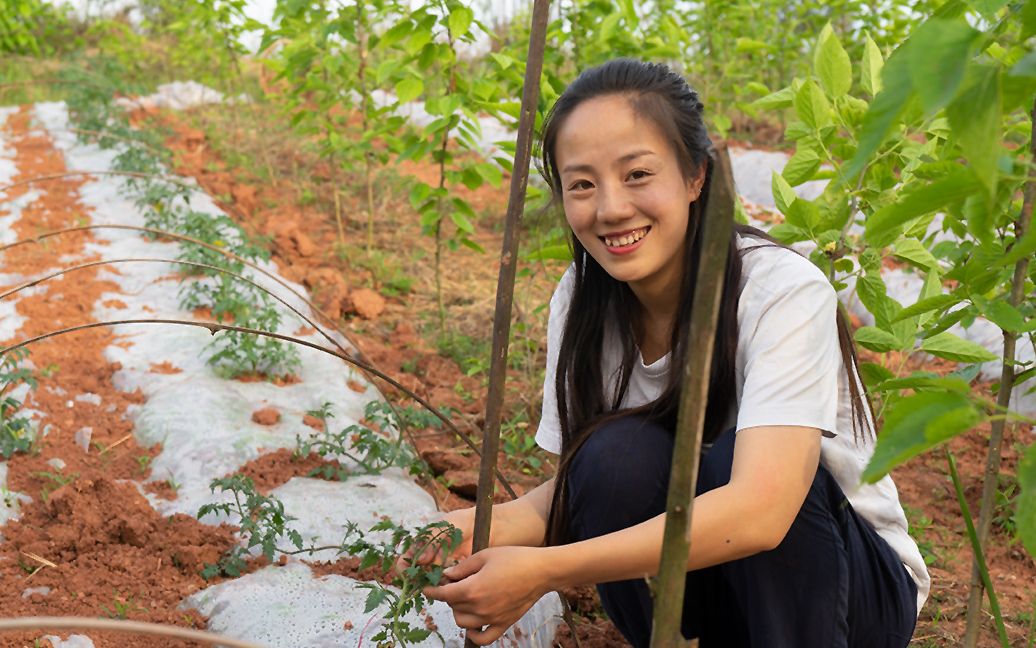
{"points": [[523, 521], [773, 468]]}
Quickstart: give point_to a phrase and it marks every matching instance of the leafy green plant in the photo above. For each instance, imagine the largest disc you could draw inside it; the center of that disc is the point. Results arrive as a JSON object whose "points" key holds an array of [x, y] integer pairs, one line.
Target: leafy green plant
{"points": [[262, 522], [929, 140], [371, 450], [440, 538], [16, 433]]}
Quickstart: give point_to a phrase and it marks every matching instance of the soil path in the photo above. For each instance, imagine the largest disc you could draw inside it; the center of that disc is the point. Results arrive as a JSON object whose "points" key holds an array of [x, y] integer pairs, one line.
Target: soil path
{"points": [[112, 554]]}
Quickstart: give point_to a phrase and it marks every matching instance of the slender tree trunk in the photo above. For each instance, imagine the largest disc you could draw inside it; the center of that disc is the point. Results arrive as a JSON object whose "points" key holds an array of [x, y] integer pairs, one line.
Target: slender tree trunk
{"points": [[991, 478]]}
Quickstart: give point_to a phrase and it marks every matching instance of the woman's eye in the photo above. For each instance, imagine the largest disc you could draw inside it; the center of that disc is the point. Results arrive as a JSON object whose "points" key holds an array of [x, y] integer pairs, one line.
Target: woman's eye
{"points": [[579, 185], [639, 174]]}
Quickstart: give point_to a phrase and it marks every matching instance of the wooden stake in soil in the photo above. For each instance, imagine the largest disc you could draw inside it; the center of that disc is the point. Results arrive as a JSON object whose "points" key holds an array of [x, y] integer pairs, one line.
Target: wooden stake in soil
{"points": [[672, 571], [505, 282]]}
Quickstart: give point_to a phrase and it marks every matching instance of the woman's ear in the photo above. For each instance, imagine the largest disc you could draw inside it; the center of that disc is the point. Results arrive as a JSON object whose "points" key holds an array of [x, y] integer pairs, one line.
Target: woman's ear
{"points": [[694, 184]]}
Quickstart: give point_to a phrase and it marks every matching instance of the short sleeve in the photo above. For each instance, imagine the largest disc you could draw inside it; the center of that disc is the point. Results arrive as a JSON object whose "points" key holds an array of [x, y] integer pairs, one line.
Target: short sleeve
{"points": [[548, 434], [788, 340]]}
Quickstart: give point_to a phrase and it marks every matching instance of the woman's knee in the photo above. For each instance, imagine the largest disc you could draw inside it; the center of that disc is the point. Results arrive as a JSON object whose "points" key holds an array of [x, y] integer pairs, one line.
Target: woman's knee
{"points": [[620, 475]]}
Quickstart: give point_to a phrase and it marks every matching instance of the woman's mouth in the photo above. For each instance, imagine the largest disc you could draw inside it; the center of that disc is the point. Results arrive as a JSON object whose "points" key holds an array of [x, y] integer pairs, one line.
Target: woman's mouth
{"points": [[626, 241]]}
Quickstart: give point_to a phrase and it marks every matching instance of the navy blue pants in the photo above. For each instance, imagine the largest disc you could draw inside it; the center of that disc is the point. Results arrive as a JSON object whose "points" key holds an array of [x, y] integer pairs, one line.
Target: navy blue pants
{"points": [[833, 582]]}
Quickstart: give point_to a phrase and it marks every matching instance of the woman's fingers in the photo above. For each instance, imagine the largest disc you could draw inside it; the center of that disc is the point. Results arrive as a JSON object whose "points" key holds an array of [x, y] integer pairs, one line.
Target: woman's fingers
{"points": [[481, 637]]}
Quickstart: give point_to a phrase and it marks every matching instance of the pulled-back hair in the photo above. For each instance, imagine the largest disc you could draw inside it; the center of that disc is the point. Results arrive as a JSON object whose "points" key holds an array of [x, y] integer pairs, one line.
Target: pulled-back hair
{"points": [[662, 96]]}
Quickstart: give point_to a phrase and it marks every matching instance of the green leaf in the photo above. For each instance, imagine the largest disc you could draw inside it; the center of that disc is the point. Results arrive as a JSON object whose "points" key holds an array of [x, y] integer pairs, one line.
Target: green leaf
{"points": [[988, 8], [1023, 248], [1004, 315], [802, 165], [811, 106], [783, 194], [915, 424], [884, 225], [462, 222], [949, 346], [376, 596], [910, 249], [775, 100], [460, 20], [975, 119], [876, 339], [831, 64], [874, 374], [939, 52], [936, 302], [749, 45], [930, 383], [874, 296], [409, 89], [885, 110], [1025, 516], [870, 67]]}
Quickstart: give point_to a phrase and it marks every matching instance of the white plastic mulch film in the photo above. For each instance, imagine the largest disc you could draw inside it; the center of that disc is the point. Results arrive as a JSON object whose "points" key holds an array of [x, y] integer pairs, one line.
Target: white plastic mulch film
{"points": [[205, 426]]}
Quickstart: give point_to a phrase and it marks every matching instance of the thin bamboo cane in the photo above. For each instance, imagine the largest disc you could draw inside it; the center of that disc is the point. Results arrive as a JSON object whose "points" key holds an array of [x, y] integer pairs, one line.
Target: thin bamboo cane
{"points": [[505, 281], [72, 174], [676, 543], [118, 625]]}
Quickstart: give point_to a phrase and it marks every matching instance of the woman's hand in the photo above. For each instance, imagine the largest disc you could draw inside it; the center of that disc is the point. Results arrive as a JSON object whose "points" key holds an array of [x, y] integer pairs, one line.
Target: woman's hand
{"points": [[463, 519], [493, 588]]}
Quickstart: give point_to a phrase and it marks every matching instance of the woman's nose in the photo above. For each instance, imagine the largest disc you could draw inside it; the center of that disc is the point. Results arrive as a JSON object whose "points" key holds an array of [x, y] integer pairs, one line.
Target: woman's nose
{"points": [[613, 203]]}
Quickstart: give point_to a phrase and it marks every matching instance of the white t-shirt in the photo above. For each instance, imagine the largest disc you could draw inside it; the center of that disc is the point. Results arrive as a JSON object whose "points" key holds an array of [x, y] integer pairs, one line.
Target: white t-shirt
{"points": [[789, 372]]}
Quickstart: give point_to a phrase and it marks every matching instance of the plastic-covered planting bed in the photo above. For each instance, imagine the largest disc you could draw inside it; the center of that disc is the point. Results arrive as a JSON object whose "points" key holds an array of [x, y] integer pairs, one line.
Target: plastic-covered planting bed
{"points": [[205, 426]]}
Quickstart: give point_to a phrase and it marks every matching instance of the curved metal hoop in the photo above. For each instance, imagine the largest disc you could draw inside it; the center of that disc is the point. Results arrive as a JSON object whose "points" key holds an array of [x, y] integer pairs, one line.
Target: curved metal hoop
{"points": [[117, 625]]}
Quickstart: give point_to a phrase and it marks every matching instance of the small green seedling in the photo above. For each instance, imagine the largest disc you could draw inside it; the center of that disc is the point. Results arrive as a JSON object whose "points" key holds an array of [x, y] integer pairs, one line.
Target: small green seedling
{"points": [[53, 480], [121, 607], [16, 433]]}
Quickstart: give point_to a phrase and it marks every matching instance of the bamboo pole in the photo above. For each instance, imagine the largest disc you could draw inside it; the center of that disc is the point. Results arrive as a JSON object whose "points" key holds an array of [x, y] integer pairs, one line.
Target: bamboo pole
{"points": [[676, 543], [123, 626], [505, 282]]}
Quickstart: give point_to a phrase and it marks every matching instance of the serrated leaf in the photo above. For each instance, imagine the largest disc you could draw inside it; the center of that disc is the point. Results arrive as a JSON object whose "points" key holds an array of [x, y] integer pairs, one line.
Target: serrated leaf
{"points": [[870, 67], [375, 597], [949, 346], [915, 424], [831, 64]]}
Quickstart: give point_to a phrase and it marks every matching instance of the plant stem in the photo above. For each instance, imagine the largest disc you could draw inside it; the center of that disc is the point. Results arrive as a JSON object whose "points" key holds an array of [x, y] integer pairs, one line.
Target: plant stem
{"points": [[976, 546], [991, 480]]}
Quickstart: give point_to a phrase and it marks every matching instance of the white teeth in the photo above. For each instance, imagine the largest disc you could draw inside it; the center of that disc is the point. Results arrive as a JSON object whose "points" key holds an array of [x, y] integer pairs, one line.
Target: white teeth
{"points": [[626, 239]]}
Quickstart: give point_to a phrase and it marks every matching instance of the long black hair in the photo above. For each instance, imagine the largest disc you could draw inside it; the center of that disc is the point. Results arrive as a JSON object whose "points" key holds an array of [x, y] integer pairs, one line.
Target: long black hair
{"points": [[662, 96]]}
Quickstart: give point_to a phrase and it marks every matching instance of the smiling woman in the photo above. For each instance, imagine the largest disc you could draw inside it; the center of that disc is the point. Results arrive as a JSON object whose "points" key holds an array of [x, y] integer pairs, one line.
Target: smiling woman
{"points": [[789, 549]]}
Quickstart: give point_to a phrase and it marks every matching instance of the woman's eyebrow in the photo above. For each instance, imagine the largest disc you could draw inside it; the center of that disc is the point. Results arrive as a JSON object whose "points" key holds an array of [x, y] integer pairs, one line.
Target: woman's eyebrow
{"points": [[573, 168]]}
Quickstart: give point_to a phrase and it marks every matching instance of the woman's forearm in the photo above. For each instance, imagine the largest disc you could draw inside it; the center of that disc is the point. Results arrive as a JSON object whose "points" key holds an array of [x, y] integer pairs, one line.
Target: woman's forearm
{"points": [[523, 522], [719, 533]]}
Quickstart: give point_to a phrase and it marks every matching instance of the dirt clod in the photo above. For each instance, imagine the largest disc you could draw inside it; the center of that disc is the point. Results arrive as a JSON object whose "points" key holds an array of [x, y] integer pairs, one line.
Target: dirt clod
{"points": [[266, 416], [366, 303]]}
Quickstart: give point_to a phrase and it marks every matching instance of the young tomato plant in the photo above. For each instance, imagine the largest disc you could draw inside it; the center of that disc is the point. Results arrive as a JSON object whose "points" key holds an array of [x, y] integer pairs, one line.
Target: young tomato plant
{"points": [[371, 450], [16, 433], [263, 523], [439, 538]]}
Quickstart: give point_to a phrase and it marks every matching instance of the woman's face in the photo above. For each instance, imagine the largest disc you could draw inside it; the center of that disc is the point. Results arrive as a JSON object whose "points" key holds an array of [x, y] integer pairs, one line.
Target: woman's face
{"points": [[624, 195]]}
